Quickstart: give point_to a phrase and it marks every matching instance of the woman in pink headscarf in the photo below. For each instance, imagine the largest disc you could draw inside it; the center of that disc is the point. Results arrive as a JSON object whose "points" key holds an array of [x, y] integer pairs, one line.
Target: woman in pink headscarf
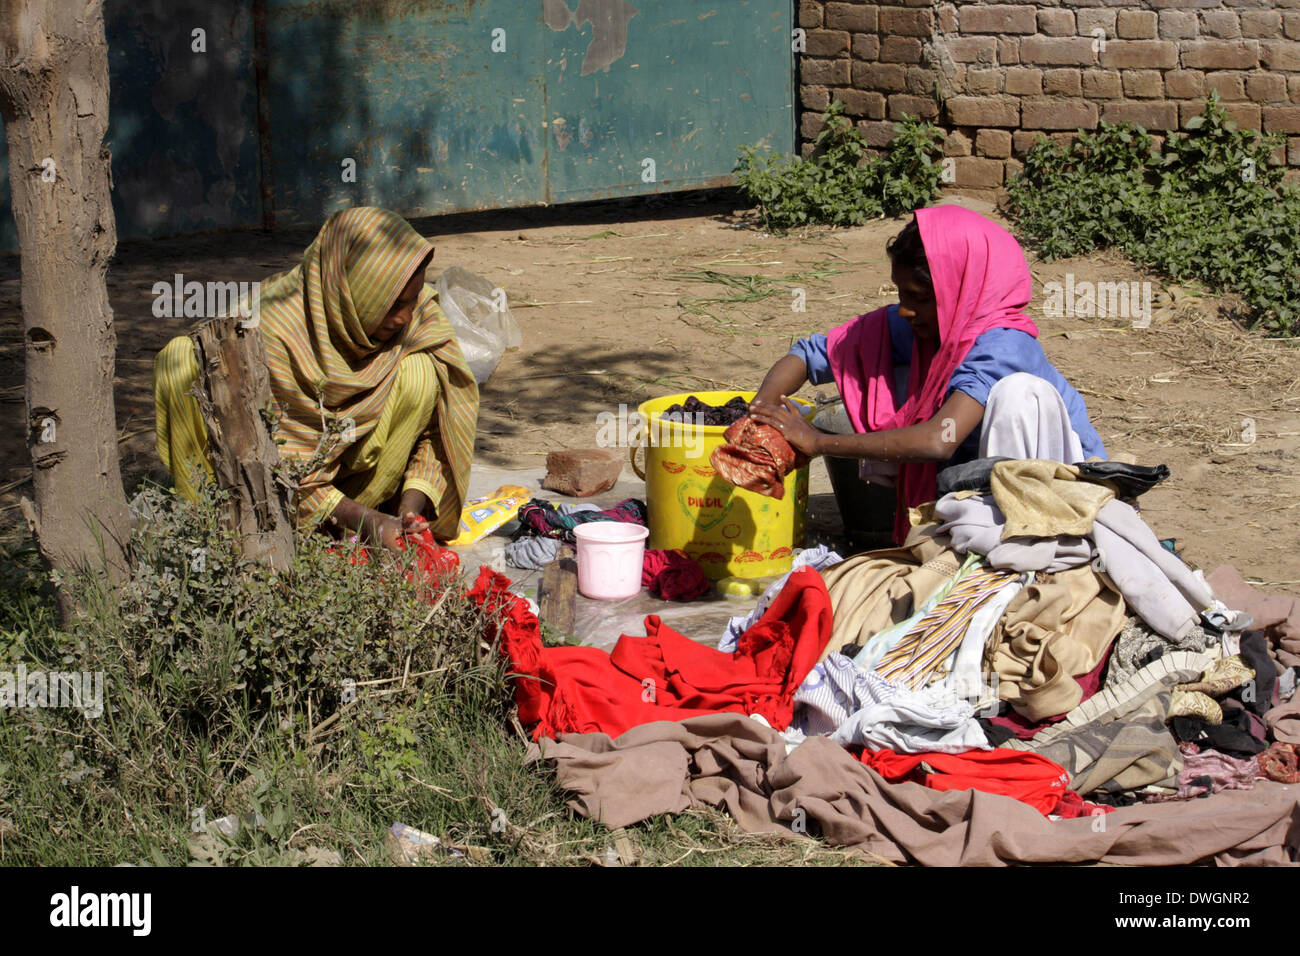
{"points": [[953, 372]]}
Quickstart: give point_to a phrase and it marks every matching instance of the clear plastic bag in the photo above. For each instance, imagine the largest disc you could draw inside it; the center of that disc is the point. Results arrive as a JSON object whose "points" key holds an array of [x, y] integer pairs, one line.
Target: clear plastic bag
{"points": [[479, 313]]}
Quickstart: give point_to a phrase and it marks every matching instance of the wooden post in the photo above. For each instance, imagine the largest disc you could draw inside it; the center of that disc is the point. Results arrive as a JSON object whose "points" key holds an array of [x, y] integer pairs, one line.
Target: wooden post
{"points": [[233, 390], [557, 598]]}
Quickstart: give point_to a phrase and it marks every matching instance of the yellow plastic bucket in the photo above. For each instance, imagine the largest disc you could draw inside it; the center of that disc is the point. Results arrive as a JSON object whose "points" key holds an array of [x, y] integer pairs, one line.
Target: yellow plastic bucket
{"points": [[729, 531]]}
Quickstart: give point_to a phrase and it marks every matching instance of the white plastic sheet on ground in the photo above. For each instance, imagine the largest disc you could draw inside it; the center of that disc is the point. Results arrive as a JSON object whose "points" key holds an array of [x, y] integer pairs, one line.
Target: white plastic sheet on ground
{"points": [[597, 623]]}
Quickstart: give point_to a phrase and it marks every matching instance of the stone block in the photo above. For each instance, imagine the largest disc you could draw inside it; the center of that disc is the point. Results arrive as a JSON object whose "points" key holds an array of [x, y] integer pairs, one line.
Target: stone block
{"points": [[581, 473]]}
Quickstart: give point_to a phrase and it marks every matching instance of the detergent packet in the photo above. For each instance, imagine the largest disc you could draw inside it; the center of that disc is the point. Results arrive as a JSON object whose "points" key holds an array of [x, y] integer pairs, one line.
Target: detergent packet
{"points": [[481, 516]]}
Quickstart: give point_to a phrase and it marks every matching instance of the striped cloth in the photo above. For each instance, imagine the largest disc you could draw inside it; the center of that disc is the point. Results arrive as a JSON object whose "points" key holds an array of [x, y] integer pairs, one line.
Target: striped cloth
{"points": [[919, 657], [1116, 740], [316, 320]]}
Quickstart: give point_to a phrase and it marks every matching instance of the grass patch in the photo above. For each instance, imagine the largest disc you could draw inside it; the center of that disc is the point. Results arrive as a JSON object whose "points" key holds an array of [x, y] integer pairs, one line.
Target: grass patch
{"points": [[744, 289], [319, 706], [331, 701]]}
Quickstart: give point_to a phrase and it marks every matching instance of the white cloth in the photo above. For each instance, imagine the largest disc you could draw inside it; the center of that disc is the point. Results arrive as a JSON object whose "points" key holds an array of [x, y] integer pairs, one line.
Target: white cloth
{"points": [[859, 707], [1156, 585], [1025, 417]]}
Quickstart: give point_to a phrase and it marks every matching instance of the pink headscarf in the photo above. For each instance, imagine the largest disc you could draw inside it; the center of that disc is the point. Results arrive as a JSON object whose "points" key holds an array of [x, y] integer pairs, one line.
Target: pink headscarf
{"points": [[981, 282]]}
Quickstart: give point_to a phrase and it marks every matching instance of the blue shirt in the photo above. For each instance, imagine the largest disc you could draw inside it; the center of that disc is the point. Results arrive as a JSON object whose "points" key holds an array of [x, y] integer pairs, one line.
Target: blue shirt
{"points": [[996, 354]]}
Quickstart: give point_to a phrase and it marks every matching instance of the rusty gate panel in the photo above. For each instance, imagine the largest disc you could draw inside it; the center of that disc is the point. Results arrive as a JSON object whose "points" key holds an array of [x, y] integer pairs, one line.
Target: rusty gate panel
{"points": [[182, 119], [658, 95], [296, 108], [422, 106]]}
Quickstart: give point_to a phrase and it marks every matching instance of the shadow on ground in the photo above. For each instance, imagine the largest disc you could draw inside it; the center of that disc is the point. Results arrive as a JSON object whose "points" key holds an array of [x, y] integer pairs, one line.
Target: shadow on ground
{"points": [[550, 369]]}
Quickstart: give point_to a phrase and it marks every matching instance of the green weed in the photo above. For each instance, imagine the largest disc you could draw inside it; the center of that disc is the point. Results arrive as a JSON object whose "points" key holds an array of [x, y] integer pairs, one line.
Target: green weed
{"points": [[1210, 206], [838, 185]]}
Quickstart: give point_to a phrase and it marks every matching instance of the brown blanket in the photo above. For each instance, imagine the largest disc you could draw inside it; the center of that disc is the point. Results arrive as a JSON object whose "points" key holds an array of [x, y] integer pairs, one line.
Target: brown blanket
{"points": [[734, 763], [1277, 615]]}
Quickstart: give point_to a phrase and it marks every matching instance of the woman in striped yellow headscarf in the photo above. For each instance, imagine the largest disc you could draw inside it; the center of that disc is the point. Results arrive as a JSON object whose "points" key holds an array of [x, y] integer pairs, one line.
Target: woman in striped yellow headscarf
{"points": [[354, 338]]}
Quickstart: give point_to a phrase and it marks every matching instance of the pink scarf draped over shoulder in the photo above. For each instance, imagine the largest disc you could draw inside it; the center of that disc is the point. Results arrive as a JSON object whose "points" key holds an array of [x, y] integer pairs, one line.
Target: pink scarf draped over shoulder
{"points": [[981, 282]]}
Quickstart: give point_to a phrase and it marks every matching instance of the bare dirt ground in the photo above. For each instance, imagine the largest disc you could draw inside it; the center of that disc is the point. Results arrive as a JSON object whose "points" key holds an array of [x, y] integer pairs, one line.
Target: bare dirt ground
{"points": [[619, 302]]}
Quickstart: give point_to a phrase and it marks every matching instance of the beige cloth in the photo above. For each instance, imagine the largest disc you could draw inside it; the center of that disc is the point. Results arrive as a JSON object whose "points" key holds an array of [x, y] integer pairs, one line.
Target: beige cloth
{"points": [[1278, 615], [1045, 499], [731, 762], [1223, 676], [871, 591], [1284, 721], [1052, 631], [1192, 703]]}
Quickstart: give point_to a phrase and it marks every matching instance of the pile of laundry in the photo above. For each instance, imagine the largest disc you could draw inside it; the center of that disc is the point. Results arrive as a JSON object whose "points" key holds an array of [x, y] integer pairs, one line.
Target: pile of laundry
{"points": [[544, 528], [1033, 676]]}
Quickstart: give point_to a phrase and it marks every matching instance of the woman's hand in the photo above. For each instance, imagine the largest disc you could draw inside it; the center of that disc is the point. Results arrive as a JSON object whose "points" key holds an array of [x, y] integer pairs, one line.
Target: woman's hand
{"points": [[767, 406], [373, 527], [787, 418], [413, 523], [386, 531], [411, 511]]}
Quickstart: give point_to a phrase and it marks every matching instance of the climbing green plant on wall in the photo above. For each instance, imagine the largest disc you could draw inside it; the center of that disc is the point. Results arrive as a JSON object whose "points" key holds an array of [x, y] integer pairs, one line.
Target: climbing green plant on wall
{"points": [[1210, 205], [839, 184]]}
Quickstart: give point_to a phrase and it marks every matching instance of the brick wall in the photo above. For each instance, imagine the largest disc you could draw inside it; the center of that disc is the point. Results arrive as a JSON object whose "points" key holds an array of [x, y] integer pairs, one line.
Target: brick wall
{"points": [[996, 75]]}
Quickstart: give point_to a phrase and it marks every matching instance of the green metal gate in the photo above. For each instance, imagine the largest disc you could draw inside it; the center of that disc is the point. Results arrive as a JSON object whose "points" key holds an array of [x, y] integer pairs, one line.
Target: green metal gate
{"points": [[295, 108], [432, 107]]}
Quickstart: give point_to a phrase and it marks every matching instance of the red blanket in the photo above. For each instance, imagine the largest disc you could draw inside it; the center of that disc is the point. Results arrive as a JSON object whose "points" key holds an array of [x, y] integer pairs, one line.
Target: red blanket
{"points": [[662, 676]]}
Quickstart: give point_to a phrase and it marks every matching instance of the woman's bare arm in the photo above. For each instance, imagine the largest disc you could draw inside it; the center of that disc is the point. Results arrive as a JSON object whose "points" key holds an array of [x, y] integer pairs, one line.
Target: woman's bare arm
{"points": [[785, 378], [372, 526], [934, 440]]}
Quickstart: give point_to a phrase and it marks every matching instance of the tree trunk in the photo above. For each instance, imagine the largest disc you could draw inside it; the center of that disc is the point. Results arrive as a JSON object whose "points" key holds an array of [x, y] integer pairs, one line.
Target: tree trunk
{"points": [[54, 98], [233, 389]]}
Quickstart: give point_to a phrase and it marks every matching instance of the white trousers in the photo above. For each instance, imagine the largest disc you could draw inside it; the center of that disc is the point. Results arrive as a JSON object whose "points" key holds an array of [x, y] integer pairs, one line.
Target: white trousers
{"points": [[1025, 417]]}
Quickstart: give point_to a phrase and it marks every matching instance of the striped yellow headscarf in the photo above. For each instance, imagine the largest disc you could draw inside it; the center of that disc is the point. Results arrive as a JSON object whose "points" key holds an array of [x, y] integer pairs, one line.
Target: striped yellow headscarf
{"points": [[316, 322]]}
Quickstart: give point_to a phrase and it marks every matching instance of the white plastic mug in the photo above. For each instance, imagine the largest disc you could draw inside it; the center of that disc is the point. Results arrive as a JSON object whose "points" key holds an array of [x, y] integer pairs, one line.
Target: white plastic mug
{"points": [[610, 557]]}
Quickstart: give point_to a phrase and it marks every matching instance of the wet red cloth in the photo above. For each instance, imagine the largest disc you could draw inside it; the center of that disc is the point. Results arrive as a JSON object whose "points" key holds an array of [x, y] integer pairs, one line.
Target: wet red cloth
{"points": [[430, 557], [432, 561], [1028, 777], [756, 457], [662, 676], [673, 576]]}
